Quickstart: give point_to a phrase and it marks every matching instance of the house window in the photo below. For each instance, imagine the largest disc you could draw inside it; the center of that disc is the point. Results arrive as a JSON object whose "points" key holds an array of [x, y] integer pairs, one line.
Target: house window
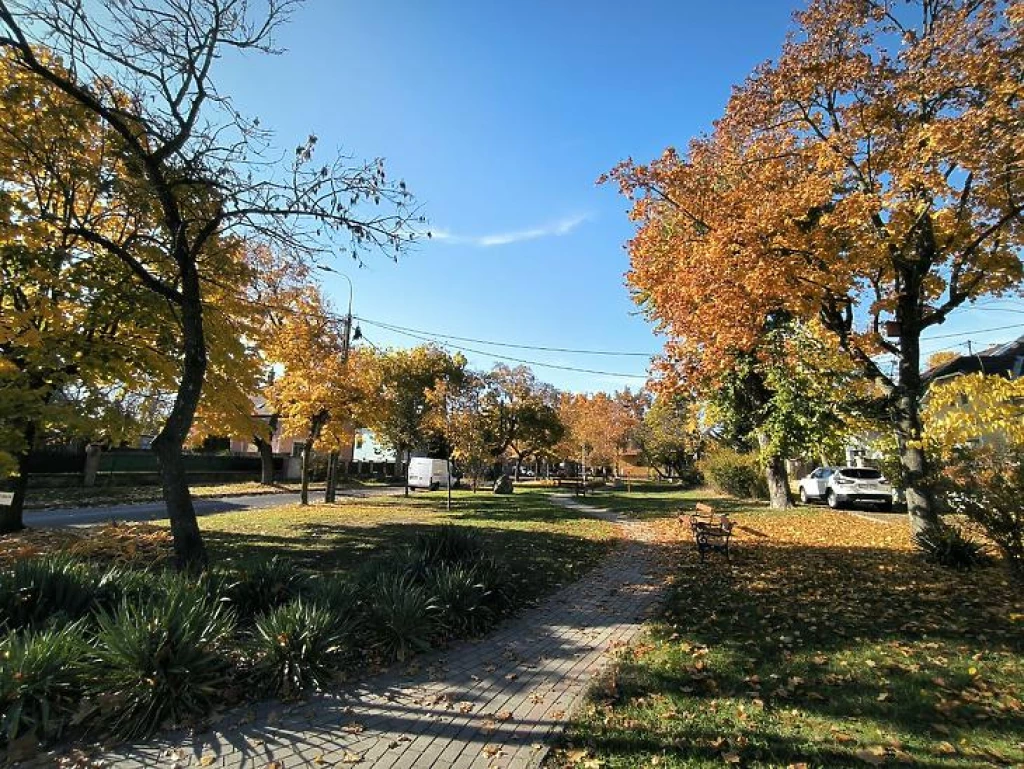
{"points": [[297, 448]]}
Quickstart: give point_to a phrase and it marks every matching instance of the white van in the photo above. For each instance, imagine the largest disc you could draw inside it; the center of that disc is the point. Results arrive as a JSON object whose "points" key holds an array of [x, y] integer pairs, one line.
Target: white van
{"points": [[427, 473]]}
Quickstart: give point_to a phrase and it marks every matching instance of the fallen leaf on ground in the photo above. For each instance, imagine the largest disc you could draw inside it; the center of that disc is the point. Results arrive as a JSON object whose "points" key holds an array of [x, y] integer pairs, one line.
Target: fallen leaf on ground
{"points": [[874, 755]]}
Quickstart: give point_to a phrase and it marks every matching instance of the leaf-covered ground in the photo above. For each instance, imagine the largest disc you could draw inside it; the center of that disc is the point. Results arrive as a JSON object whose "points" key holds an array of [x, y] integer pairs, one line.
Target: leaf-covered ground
{"points": [[826, 642]]}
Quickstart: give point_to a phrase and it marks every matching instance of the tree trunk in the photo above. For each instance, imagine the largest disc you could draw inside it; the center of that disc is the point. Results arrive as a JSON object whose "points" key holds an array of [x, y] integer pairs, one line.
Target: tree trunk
{"points": [[189, 550], [908, 426], [266, 451], [777, 477], [12, 516], [331, 494], [307, 454]]}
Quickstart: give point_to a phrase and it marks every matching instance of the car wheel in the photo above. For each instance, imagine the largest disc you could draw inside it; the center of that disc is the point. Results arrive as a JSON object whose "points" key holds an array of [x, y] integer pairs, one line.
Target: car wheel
{"points": [[833, 501], [435, 486], [803, 496]]}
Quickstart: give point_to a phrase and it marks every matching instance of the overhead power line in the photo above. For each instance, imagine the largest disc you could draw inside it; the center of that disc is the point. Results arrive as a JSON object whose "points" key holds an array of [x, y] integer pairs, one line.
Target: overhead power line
{"points": [[540, 348], [499, 356], [973, 333]]}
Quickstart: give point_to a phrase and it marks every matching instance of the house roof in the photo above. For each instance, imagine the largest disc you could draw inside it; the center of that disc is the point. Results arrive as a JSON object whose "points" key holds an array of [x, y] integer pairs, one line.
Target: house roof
{"points": [[1006, 359]]}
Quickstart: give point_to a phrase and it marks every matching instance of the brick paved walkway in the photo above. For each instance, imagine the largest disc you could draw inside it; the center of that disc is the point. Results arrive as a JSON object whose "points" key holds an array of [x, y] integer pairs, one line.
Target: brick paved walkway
{"points": [[494, 703]]}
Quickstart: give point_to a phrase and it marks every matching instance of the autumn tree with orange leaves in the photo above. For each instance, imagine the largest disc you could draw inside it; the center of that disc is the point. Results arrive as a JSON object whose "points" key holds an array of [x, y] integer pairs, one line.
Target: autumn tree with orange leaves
{"points": [[869, 178]]}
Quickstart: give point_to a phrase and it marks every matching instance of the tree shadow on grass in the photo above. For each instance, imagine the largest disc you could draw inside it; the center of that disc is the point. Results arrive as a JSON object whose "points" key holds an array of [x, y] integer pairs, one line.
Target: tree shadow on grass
{"points": [[538, 560], [795, 653]]}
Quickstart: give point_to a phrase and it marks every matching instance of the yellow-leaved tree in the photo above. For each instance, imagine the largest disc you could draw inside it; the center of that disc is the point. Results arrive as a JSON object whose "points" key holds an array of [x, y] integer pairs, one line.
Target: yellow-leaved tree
{"points": [[871, 177]]}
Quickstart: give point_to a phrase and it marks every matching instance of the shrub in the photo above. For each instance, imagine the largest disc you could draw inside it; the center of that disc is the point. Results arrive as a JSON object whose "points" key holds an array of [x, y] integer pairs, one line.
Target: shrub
{"points": [[120, 583], [157, 660], [299, 644], [256, 586], [51, 590], [948, 546], [449, 544], [986, 486], [40, 681], [690, 477], [739, 475], [337, 593], [400, 616], [461, 598]]}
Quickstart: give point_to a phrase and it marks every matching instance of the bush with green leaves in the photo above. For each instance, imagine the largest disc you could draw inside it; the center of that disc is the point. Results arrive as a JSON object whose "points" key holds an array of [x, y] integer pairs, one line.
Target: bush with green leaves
{"points": [[160, 660], [948, 545], [461, 597], [40, 681], [449, 544], [401, 616], [341, 594], [46, 591], [300, 644], [254, 586], [733, 473]]}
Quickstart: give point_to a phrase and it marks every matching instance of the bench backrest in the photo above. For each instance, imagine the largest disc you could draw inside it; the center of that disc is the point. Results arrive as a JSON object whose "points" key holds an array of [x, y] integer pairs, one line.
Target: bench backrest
{"points": [[706, 515]]}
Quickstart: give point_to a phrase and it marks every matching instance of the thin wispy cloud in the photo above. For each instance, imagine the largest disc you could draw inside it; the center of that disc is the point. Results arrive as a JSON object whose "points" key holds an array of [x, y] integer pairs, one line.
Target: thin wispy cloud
{"points": [[555, 229]]}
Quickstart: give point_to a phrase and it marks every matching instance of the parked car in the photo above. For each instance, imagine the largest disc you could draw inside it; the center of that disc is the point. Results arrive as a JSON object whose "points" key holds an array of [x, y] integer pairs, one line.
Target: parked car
{"points": [[841, 486], [813, 486]]}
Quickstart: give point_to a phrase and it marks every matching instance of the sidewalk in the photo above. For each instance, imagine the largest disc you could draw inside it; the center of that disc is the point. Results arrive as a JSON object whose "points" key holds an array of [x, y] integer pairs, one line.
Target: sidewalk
{"points": [[495, 702]]}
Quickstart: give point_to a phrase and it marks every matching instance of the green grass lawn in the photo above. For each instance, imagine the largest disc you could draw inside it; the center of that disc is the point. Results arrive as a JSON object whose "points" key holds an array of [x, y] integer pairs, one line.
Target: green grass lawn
{"points": [[654, 500], [827, 642], [547, 544]]}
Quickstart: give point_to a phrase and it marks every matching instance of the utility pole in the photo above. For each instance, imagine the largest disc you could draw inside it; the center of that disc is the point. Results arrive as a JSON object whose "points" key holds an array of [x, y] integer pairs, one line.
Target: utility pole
{"points": [[331, 493]]}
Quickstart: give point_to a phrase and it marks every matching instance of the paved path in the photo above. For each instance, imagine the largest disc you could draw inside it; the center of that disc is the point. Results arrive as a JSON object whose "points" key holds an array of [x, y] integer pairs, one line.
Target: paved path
{"points": [[490, 703], [154, 511]]}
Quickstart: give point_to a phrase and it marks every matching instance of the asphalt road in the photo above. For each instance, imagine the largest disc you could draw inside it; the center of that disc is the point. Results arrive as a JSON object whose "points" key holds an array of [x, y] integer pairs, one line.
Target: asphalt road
{"points": [[153, 511]]}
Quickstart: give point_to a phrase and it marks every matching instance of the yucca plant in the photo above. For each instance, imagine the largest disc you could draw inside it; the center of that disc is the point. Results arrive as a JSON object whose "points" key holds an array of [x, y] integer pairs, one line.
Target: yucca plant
{"points": [[299, 645], [461, 599], [120, 583], [256, 586], [400, 616], [40, 681], [449, 544], [344, 596], [51, 590], [949, 546], [159, 660]]}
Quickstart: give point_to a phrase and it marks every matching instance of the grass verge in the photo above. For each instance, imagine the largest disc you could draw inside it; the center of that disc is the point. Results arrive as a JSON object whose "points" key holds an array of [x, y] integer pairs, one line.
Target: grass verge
{"points": [[826, 642]]}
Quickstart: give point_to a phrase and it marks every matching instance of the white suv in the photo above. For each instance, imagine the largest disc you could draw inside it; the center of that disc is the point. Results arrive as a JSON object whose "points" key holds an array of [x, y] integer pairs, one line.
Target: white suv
{"points": [[845, 485]]}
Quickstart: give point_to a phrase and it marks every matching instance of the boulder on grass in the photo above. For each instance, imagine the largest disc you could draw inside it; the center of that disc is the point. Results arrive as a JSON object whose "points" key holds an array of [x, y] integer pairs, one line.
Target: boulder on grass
{"points": [[503, 485]]}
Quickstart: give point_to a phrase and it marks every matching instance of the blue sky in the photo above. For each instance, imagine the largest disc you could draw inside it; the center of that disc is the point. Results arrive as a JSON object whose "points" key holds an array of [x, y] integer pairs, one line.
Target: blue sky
{"points": [[500, 116]]}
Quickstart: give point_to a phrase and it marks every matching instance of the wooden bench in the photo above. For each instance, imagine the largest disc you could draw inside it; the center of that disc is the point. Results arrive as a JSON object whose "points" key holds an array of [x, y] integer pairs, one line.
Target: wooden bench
{"points": [[579, 488], [711, 530]]}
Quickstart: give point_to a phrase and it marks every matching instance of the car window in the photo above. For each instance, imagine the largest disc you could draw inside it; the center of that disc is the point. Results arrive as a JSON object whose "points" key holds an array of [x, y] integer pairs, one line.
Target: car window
{"points": [[864, 473]]}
